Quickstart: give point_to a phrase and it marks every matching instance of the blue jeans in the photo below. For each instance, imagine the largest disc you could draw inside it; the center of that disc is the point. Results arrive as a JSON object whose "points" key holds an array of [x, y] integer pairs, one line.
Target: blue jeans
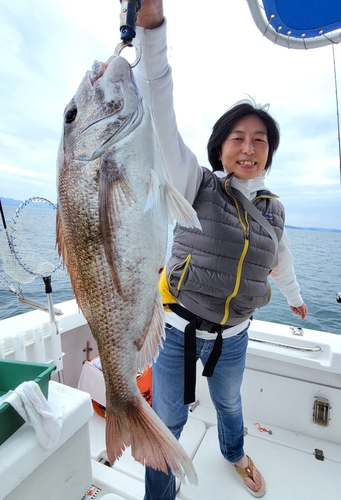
{"points": [[224, 387]]}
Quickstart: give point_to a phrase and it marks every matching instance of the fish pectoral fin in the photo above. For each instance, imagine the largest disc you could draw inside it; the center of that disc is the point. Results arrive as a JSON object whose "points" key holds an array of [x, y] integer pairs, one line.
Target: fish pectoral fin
{"points": [[153, 195], [114, 189], [148, 349], [179, 209], [114, 193]]}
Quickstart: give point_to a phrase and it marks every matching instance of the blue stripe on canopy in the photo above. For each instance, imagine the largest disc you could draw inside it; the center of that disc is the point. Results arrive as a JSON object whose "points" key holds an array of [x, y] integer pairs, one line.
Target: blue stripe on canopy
{"points": [[303, 18]]}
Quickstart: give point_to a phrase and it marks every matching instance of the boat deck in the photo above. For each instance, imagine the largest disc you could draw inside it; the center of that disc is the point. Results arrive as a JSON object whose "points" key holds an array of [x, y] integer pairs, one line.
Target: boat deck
{"points": [[286, 455], [284, 376], [286, 459]]}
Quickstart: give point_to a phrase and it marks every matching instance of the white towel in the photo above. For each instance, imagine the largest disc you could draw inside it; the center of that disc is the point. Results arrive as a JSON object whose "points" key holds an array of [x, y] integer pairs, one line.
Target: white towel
{"points": [[31, 404]]}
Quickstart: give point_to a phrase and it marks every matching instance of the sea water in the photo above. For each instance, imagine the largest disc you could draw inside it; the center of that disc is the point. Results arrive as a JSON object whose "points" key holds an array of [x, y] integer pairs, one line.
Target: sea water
{"points": [[317, 260]]}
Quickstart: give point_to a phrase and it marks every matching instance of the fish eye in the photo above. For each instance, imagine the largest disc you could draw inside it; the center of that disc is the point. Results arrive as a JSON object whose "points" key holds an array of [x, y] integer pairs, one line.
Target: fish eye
{"points": [[70, 115]]}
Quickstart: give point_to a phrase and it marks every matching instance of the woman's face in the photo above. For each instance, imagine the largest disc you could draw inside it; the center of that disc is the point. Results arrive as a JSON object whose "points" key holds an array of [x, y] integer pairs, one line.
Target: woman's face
{"points": [[245, 150]]}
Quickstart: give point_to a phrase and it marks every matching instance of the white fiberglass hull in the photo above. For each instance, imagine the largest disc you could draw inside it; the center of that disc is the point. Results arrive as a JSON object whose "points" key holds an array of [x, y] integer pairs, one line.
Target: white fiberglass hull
{"points": [[286, 374]]}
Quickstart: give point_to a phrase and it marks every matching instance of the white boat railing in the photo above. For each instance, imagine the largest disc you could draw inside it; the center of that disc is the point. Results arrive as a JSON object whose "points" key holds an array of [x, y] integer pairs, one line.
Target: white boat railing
{"points": [[39, 345], [287, 346]]}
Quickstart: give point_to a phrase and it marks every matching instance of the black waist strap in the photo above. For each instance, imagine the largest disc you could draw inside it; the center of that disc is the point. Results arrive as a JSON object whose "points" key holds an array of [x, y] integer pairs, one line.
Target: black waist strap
{"points": [[197, 323]]}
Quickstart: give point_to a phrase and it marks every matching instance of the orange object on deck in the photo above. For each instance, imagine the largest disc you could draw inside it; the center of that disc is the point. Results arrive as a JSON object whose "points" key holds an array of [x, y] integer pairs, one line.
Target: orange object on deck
{"points": [[144, 383]]}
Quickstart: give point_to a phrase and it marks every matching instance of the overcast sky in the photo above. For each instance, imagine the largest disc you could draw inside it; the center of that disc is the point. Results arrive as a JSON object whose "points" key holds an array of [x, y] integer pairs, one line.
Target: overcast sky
{"points": [[218, 56]]}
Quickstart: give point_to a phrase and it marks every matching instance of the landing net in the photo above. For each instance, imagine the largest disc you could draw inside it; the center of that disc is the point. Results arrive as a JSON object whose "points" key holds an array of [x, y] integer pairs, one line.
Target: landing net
{"points": [[27, 244]]}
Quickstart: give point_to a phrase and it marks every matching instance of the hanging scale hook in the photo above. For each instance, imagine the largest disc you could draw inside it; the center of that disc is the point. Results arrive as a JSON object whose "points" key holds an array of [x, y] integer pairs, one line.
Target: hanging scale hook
{"points": [[128, 18]]}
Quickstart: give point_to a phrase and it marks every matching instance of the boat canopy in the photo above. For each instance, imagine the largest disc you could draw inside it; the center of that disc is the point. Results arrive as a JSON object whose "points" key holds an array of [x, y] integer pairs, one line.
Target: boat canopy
{"points": [[298, 24]]}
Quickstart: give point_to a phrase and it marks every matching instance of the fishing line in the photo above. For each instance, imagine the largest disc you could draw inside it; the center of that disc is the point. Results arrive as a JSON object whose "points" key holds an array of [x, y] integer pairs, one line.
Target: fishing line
{"points": [[338, 294], [337, 110]]}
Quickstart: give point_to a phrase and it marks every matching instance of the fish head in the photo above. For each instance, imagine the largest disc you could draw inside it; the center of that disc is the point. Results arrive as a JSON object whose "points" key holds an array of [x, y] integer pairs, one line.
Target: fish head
{"points": [[105, 108], [92, 179]]}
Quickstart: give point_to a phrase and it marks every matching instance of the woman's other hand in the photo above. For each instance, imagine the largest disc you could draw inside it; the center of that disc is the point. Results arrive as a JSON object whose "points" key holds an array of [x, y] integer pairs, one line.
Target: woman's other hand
{"points": [[301, 311]]}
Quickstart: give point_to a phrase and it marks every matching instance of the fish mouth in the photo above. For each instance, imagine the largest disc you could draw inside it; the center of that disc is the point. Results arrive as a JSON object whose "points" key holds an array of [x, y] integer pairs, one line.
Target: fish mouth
{"points": [[126, 126], [98, 69]]}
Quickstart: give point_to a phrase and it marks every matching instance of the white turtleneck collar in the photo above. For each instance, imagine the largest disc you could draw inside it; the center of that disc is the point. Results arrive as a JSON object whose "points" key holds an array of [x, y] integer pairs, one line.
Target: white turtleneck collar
{"points": [[249, 187]]}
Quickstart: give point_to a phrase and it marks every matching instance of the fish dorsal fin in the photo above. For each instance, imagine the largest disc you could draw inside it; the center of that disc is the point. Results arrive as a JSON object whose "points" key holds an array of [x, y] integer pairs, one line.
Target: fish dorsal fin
{"points": [[153, 195], [179, 209], [177, 206]]}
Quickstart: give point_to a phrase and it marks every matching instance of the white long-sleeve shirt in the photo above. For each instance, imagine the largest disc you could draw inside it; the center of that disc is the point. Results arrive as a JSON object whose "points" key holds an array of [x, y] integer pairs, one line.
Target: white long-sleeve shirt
{"points": [[154, 79]]}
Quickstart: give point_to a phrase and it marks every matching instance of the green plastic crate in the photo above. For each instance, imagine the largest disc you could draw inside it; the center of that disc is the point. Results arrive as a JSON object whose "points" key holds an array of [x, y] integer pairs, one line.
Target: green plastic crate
{"points": [[12, 374]]}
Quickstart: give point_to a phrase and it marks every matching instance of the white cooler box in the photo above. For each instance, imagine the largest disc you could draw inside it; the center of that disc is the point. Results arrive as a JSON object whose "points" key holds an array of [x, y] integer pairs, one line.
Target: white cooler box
{"points": [[31, 472]]}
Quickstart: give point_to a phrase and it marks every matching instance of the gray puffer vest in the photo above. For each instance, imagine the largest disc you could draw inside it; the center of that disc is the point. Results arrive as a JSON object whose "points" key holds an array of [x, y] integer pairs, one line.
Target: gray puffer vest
{"points": [[221, 273]]}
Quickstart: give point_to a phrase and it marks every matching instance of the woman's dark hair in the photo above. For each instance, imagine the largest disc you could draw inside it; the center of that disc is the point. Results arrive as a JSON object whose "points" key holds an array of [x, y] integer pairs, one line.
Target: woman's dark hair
{"points": [[224, 125]]}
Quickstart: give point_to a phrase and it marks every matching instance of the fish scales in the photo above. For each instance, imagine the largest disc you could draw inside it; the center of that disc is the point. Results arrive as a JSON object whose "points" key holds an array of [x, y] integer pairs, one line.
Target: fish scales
{"points": [[114, 205]]}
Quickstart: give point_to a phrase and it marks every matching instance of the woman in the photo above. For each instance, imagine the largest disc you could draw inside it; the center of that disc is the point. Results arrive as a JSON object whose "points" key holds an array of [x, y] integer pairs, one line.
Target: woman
{"points": [[216, 278]]}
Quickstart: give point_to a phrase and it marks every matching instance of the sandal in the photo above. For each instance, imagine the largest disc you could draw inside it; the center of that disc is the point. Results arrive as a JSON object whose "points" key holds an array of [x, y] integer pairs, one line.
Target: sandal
{"points": [[248, 471]]}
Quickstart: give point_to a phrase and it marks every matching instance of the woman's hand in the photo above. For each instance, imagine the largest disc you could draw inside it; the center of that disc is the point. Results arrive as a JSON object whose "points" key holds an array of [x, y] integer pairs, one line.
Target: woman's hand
{"points": [[301, 311], [150, 15]]}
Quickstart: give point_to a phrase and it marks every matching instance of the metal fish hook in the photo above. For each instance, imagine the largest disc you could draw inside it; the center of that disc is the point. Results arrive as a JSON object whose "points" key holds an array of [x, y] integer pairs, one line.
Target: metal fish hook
{"points": [[133, 43]]}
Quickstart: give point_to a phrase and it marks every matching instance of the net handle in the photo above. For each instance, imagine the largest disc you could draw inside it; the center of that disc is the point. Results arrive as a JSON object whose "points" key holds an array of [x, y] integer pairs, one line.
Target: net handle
{"points": [[3, 216]]}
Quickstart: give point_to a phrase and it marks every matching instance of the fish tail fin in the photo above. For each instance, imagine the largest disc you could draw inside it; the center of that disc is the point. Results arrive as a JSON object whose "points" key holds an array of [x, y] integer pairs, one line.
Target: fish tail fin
{"points": [[179, 208], [152, 443]]}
